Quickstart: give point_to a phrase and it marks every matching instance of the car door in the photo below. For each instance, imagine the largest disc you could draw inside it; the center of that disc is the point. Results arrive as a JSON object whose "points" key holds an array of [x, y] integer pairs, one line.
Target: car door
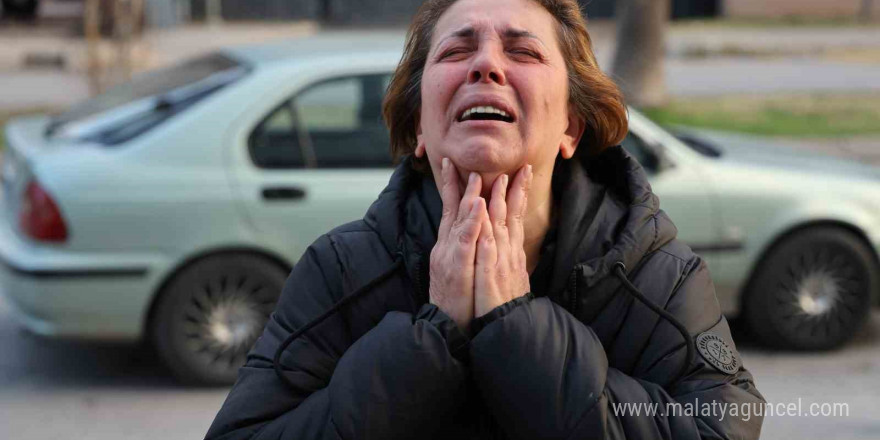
{"points": [[683, 192], [323, 158]]}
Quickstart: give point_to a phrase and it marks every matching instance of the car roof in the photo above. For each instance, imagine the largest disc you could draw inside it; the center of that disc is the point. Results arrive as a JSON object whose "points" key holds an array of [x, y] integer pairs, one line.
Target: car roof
{"points": [[345, 48], [335, 44]]}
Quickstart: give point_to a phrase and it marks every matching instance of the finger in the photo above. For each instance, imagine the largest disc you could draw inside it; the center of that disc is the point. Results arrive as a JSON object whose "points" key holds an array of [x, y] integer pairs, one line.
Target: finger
{"points": [[468, 232], [485, 271], [449, 194], [487, 253], [517, 200], [497, 202], [472, 192], [498, 215]]}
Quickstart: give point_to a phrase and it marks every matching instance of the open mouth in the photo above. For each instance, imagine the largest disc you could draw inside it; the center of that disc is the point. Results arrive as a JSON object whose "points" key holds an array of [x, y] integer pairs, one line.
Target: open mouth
{"points": [[485, 113]]}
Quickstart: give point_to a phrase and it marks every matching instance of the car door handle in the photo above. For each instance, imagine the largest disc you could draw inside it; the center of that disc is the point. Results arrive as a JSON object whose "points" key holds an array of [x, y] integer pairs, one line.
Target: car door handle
{"points": [[284, 193]]}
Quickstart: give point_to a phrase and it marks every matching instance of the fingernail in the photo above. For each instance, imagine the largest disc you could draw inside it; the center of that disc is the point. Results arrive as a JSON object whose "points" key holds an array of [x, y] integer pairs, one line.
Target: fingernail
{"points": [[504, 179], [473, 177], [529, 170], [444, 163]]}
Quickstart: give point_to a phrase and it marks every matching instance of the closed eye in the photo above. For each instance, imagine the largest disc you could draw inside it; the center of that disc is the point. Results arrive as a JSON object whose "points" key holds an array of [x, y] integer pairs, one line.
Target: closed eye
{"points": [[452, 52], [527, 52]]}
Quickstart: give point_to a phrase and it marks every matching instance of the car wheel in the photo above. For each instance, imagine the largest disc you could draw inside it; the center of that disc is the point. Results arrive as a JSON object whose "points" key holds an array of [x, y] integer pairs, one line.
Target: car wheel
{"points": [[812, 291], [20, 8], [211, 313]]}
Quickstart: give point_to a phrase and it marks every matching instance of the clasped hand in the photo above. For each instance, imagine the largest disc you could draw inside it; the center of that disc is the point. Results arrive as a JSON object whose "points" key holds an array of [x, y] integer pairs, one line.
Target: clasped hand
{"points": [[479, 262]]}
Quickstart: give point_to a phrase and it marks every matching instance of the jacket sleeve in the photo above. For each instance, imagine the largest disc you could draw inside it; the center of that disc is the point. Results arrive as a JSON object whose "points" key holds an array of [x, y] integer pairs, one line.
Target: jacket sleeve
{"points": [[545, 374], [394, 379]]}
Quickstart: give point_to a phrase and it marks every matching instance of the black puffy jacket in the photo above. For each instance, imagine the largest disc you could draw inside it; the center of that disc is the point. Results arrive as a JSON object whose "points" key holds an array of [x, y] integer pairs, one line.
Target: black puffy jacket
{"points": [[558, 363]]}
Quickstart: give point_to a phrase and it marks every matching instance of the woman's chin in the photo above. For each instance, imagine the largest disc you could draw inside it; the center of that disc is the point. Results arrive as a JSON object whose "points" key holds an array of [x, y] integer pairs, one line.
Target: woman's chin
{"points": [[484, 161], [489, 173]]}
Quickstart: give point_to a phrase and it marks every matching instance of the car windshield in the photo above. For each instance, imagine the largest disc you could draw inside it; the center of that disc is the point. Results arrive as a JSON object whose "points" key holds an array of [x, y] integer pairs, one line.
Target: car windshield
{"points": [[158, 91]]}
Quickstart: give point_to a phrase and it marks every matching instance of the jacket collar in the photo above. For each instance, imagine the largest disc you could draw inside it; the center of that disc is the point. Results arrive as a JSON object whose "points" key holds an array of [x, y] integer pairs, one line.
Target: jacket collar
{"points": [[607, 212]]}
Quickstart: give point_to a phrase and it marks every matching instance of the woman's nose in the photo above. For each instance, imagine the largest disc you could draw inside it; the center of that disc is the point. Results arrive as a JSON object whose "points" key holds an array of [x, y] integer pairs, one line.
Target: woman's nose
{"points": [[487, 67]]}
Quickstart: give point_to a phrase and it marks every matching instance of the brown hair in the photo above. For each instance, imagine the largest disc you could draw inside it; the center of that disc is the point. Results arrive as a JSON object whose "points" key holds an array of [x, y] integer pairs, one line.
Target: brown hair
{"points": [[594, 96]]}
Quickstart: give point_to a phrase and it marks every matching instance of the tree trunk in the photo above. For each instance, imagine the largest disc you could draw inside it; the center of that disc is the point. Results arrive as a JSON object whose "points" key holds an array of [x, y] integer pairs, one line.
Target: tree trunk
{"points": [[865, 12], [92, 28], [213, 12], [638, 60]]}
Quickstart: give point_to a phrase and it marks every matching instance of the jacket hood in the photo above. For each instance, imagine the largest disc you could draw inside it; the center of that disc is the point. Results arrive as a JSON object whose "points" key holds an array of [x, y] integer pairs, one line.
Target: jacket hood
{"points": [[606, 212]]}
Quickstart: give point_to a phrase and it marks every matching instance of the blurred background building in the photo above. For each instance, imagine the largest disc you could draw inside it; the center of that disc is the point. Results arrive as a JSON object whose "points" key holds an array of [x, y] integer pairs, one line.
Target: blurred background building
{"points": [[804, 8], [377, 12], [164, 13]]}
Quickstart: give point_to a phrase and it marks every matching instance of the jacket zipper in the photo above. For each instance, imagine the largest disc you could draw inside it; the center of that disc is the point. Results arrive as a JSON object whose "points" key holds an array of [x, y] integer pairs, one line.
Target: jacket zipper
{"points": [[417, 279]]}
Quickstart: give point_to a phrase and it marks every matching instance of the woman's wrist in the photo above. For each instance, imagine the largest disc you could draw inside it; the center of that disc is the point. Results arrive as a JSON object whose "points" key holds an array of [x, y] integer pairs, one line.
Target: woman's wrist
{"points": [[498, 312], [457, 338]]}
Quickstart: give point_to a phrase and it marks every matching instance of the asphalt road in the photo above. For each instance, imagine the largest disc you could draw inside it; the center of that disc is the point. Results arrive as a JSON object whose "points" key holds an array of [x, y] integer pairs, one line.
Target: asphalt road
{"points": [[756, 76], [52, 389], [73, 390]]}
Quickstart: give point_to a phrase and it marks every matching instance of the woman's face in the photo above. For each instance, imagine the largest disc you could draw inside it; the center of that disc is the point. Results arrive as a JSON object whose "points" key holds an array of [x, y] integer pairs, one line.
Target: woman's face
{"points": [[495, 90]]}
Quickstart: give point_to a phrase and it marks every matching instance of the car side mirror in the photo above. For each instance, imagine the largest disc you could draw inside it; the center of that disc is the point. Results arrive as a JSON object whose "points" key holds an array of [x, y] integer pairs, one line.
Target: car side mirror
{"points": [[656, 159]]}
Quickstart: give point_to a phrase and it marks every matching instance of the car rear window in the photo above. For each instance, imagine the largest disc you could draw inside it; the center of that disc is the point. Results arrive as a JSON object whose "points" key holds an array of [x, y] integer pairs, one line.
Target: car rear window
{"points": [[147, 99]]}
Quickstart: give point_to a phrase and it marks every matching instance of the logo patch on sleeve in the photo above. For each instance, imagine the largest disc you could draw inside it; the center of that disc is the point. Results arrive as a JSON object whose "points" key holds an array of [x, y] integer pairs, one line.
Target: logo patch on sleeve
{"points": [[716, 352]]}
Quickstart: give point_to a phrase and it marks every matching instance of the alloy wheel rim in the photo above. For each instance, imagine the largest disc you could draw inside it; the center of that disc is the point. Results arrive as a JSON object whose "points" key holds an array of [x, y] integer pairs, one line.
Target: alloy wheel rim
{"points": [[224, 317], [819, 294]]}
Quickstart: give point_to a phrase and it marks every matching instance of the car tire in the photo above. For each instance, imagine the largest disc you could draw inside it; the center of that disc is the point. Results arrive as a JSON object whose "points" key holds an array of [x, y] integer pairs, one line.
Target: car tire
{"points": [[20, 8], [211, 313], [812, 291]]}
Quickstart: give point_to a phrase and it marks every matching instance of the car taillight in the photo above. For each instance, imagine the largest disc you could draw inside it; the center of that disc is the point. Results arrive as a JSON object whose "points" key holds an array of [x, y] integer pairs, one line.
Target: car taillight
{"points": [[39, 216]]}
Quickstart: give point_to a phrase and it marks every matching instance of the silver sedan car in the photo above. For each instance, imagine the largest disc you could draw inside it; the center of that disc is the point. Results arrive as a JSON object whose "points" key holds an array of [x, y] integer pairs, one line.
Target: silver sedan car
{"points": [[172, 208]]}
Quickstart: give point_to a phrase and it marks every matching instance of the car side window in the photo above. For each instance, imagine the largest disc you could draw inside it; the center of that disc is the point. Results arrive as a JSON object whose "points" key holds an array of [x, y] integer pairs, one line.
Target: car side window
{"points": [[342, 118], [637, 147], [276, 143], [331, 124]]}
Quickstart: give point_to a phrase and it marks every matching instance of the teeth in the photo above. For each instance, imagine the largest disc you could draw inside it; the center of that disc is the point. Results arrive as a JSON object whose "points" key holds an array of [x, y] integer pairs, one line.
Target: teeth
{"points": [[484, 109]]}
